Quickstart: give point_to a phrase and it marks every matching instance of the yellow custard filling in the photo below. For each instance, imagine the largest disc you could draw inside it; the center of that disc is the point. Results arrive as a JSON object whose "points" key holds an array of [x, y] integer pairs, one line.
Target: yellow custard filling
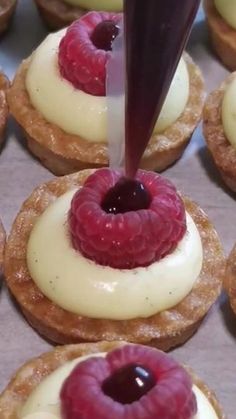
{"points": [[109, 5], [229, 113], [227, 9], [81, 286], [45, 398], [80, 113]]}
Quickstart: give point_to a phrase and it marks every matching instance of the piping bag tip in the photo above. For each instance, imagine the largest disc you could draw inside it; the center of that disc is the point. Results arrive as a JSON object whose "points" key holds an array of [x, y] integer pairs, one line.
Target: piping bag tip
{"points": [[143, 61], [115, 90]]}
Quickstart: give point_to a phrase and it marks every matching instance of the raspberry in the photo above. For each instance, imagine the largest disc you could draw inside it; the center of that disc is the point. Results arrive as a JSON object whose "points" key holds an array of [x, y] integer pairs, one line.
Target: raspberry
{"points": [[81, 61], [129, 239], [169, 397]]}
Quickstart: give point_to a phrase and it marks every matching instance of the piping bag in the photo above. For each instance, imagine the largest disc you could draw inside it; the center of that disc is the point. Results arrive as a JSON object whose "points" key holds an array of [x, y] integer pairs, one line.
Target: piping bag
{"points": [[143, 61]]}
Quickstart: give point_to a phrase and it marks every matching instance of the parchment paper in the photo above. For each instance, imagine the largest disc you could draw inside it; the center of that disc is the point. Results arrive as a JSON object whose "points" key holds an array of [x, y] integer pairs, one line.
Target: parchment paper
{"points": [[212, 351]]}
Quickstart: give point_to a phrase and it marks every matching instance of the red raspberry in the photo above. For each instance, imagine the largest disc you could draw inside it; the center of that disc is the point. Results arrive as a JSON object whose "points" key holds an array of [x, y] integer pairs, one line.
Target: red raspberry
{"points": [[81, 61], [127, 239], [170, 397]]}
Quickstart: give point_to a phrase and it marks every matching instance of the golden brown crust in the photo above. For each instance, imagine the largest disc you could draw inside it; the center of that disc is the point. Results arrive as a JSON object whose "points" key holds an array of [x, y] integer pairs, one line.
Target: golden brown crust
{"points": [[223, 153], [4, 84], [34, 371], [63, 153], [165, 330], [57, 14], [230, 278], [223, 36], [7, 8]]}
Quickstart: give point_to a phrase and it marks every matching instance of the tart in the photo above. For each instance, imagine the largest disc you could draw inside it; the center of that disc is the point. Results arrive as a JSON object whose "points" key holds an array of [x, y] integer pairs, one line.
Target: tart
{"points": [[4, 84], [37, 372], [64, 144], [60, 13], [230, 278], [7, 9], [222, 33], [217, 128], [166, 329]]}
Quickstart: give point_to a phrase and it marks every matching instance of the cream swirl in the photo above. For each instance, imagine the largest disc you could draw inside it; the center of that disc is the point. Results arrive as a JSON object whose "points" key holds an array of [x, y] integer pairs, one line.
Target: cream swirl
{"points": [[81, 286], [227, 9], [80, 113], [228, 113], [109, 5]]}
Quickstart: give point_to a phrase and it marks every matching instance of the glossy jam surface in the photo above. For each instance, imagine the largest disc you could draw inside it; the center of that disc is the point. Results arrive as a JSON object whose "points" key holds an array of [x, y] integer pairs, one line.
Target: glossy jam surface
{"points": [[104, 34], [156, 33], [126, 195], [129, 384]]}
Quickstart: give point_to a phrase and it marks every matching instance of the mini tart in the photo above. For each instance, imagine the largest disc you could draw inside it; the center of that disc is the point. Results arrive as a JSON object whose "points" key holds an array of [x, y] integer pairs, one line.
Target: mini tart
{"points": [[4, 84], [7, 9], [223, 153], [57, 14], [164, 330], [33, 372], [230, 278], [64, 153], [223, 36]]}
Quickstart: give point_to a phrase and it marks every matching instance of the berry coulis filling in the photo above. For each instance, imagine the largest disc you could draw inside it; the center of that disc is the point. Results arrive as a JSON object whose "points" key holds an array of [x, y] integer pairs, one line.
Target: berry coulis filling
{"points": [[85, 50], [104, 34], [126, 223], [129, 383], [132, 381], [127, 195]]}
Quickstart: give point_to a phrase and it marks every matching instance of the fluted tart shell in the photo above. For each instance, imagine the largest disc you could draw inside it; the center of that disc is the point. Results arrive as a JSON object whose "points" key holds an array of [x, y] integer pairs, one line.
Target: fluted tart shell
{"points": [[165, 330], [222, 151], [7, 8], [29, 376], [4, 84], [230, 278], [63, 153], [57, 14], [222, 35]]}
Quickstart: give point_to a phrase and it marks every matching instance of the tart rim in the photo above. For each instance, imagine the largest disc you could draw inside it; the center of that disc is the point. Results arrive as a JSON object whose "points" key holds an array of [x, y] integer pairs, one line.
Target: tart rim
{"points": [[4, 85], [222, 151], [230, 278], [223, 36], [57, 13]]}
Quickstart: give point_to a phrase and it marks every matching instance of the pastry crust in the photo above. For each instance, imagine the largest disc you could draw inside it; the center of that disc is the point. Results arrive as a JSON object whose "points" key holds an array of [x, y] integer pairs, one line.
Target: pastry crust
{"points": [[223, 36], [230, 278], [64, 153], [7, 9], [222, 151], [4, 84], [33, 372], [164, 330], [57, 14]]}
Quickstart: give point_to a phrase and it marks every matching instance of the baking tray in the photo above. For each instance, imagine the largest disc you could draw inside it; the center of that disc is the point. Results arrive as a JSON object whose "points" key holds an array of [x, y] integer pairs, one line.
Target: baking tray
{"points": [[212, 351]]}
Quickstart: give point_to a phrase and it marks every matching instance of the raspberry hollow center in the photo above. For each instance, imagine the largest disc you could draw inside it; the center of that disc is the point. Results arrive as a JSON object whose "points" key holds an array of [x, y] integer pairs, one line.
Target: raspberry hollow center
{"points": [[129, 384], [104, 34], [127, 195]]}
